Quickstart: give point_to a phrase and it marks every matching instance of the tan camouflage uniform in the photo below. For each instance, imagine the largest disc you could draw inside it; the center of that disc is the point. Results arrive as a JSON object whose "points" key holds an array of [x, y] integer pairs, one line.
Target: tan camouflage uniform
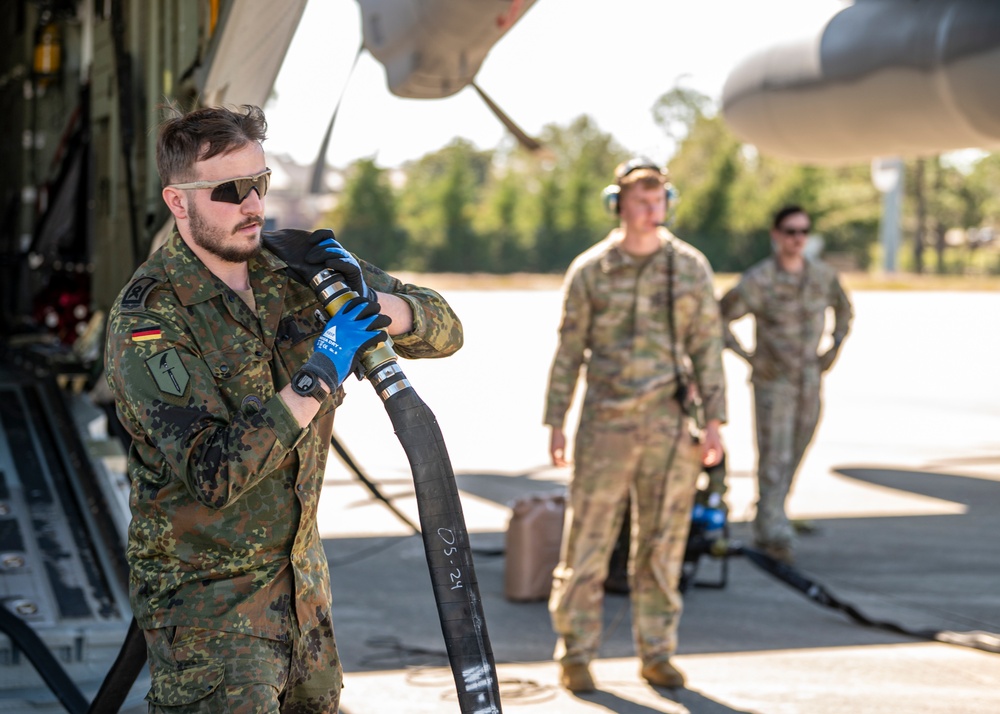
{"points": [[225, 485], [633, 444], [790, 315]]}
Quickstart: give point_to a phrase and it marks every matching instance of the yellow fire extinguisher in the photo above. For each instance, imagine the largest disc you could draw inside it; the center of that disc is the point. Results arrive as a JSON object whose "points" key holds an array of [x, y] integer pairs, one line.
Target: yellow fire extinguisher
{"points": [[47, 53]]}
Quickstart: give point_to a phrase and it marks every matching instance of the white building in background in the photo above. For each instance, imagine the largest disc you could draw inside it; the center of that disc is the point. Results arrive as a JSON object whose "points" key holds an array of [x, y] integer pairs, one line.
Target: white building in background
{"points": [[289, 203]]}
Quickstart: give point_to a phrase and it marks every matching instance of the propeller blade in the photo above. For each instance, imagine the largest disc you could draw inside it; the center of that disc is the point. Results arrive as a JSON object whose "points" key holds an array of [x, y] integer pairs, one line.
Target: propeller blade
{"points": [[526, 141], [319, 167]]}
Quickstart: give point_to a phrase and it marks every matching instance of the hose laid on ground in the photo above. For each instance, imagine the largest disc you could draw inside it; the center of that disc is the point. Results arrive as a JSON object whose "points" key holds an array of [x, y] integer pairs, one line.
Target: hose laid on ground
{"points": [[986, 641], [722, 548], [442, 523]]}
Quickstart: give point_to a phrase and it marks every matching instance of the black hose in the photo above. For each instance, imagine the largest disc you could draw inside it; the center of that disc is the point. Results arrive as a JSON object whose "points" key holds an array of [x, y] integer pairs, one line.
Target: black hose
{"points": [[442, 523], [128, 665], [986, 641], [449, 557]]}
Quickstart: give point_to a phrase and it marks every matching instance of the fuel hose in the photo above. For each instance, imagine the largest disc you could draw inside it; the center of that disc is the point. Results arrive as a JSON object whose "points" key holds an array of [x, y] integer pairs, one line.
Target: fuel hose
{"points": [[442, 523]]}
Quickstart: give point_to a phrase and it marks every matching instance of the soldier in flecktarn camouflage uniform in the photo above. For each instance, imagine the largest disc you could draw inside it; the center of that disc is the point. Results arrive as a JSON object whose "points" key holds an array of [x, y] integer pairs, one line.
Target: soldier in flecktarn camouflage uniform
{"points": [[226, 373], [636, 443], [788, 295]]}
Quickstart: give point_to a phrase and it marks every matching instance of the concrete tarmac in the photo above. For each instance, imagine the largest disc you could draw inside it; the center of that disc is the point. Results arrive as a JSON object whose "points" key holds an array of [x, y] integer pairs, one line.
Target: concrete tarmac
{"points": [[901, 484]]}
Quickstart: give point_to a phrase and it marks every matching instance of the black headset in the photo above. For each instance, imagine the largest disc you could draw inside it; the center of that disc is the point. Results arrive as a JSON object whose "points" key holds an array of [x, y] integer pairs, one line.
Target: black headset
{"points": [[610, 193]]}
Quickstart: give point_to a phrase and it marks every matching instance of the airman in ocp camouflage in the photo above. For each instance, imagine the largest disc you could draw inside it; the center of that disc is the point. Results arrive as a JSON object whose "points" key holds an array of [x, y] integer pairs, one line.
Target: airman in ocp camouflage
{"points": [[788, 294], [640, 318], [228, 576]]}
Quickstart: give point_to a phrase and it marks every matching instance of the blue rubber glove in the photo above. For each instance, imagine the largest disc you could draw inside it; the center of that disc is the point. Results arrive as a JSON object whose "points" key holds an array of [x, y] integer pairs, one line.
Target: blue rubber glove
{"points": [[339, 260], [357, 326]]}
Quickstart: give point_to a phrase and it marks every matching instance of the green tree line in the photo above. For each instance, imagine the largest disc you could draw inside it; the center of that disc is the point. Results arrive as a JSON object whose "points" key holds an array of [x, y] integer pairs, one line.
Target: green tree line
{"points": [[460, 209]]}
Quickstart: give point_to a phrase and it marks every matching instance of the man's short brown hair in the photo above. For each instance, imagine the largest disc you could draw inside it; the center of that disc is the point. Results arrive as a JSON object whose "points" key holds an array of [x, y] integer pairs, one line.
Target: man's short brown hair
{"points": [[640, 171], [185, 139]]}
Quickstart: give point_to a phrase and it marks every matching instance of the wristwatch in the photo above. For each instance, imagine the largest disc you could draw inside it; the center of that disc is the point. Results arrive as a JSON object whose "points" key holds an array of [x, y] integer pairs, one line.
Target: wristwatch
{"points": [[306, 383]]}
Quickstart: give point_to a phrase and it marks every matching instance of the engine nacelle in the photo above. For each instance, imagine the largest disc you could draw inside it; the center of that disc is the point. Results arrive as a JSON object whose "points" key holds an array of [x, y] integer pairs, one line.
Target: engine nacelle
{"points": [[881, 78]]}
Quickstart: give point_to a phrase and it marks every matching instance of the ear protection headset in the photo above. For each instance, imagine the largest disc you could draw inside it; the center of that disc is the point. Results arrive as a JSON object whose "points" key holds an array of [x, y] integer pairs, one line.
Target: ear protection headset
{"points": [[610, 193]]}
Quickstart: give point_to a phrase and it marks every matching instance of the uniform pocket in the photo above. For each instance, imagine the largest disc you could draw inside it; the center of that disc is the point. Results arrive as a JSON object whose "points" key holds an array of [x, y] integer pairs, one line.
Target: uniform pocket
{"points": [[228, 363], [211, 686], [302, 326], [186, 686], [242, 372]]}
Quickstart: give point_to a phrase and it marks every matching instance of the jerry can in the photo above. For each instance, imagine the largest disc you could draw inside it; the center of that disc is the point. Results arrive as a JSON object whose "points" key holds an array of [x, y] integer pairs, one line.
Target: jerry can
{"points": [[534, 536]]}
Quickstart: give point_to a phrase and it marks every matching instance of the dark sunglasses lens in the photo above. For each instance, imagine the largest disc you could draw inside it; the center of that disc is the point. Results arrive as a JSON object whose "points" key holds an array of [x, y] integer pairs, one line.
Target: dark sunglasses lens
{"points": [[226, 193], [237, 190]]}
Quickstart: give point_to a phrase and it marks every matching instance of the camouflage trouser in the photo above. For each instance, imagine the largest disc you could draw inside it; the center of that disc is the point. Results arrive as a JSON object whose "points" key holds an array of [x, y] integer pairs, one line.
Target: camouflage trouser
{"points": [[786, 417], [195, 671], [617, 462]]}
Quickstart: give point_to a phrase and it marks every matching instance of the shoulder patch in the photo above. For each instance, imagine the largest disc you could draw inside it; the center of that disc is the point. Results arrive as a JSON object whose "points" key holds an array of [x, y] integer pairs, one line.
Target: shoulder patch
{"points": [[168, 372], [134, 297]]}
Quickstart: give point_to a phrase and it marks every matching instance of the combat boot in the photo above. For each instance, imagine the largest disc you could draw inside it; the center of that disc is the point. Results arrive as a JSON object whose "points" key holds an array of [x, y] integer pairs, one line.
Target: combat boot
{"points": [[780, 552], [576, 678], [804, 526], [662, 674]]}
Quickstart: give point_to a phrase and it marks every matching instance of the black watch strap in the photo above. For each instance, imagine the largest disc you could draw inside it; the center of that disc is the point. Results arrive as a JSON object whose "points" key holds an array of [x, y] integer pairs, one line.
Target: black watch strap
{"points": [[307, 383]]}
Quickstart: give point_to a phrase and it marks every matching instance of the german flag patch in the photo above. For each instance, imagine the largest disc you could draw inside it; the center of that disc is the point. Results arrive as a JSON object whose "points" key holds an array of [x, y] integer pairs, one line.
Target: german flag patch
{"points": [[144, 334]]}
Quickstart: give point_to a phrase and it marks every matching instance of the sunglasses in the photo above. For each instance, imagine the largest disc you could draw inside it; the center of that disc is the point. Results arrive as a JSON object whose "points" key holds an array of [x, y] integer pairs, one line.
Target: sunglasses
{"points": [[233, 190], [795, 231]]}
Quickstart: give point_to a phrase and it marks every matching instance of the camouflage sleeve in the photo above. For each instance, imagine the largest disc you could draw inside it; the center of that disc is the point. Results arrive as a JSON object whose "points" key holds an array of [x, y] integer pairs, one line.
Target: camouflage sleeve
{"points": [[703, 343], [842, 310], [437, 331], [569, 356], [733, 307], [168, 398]]}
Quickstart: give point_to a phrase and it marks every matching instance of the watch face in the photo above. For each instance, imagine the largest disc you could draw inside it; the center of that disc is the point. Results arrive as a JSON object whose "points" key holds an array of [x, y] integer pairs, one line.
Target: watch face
{"points": [[304, 383]]}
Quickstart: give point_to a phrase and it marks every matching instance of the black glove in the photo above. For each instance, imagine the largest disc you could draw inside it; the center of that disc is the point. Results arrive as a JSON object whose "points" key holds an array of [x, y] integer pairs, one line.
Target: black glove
{"points": [[299, 249]]}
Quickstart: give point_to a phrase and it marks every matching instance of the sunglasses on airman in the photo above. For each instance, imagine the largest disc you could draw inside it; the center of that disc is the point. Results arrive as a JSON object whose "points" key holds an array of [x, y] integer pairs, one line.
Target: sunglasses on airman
{"points": [[233, 190]]}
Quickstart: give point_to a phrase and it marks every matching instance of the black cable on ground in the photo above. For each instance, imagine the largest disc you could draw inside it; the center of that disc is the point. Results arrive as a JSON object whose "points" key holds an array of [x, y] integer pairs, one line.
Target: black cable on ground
{"points": [[986, 641]]}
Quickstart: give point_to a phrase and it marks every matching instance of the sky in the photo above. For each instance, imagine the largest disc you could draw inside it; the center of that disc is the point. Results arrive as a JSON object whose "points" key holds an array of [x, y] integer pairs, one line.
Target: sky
{"points": [[609, 59]]}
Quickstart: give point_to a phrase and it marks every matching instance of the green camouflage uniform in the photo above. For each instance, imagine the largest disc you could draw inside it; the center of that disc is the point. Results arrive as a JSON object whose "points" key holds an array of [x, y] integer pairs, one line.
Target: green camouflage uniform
{"points": [[225, 485], [790, 316], [634, 443]]}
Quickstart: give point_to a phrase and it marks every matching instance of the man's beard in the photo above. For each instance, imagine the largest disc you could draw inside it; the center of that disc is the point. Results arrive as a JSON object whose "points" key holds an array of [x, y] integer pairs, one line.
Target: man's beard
{"points": [[216, 241]]}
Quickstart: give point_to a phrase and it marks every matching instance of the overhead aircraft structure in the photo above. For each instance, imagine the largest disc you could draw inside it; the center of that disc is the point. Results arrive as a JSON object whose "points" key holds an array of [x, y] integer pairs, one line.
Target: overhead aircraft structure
{"points": [[434, 48], [878, 78]]}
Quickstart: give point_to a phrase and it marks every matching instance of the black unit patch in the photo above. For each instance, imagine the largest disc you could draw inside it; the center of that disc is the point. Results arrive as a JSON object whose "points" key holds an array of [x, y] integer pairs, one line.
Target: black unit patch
{"points": [[135, 295]]}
